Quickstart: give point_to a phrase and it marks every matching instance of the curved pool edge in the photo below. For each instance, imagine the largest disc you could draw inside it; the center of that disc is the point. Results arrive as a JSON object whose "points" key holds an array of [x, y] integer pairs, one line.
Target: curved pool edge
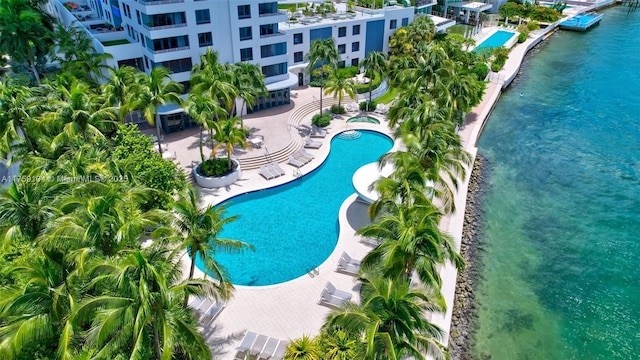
{"points": [[322, 155]]}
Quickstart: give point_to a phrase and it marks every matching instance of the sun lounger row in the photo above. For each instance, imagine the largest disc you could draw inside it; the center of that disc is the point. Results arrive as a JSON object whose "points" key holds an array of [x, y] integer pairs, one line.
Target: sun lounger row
{"points": [[261, 347], [271, 171], [348, 265], [353, 107], [317, 132], [381, 109], [207, 309], [333, 297], [300, 158], [312, 144]]}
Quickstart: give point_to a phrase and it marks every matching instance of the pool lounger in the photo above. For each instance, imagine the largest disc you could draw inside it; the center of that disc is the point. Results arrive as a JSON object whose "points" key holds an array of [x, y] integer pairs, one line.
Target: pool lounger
{"points": [[257, 346], [210, 310], [317, 132], [275, 169], [280, 350], [267, 173], [305, 153], [333, 297], [311, 144], [244, 347], [269, 348], [303, 156], [348, 265], [295, 162]]}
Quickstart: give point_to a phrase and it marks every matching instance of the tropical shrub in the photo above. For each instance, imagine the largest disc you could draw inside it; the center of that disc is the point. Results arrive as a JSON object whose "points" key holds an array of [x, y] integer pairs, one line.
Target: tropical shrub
{"points": [[522, 37], [496, 66], [481, 70], [370, 107], [350, 71], [321, 120], [364, 88], [216, 167], [337, 109]]}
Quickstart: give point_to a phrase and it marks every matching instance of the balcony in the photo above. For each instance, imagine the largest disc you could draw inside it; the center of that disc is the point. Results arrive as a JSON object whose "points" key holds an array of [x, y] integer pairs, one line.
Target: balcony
{"points": [[279, 12], [163, 51], [162, 27], [160, 2], [279, 33]]}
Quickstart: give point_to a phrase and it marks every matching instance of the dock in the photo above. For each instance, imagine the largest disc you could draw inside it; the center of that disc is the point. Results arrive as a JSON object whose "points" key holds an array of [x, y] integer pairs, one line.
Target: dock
{"points": [[581, 22]]}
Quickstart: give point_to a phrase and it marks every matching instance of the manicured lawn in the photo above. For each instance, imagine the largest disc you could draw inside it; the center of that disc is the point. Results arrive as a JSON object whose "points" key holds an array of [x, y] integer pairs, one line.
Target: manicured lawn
{"points": [[388, 96], [459, 29], [291, 7], [115, 42]]}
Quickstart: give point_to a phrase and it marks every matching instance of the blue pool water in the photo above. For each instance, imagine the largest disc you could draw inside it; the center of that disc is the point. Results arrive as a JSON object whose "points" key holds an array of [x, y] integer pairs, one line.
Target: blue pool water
{"points": [[561, 271], [498, 39], [293, 227]]}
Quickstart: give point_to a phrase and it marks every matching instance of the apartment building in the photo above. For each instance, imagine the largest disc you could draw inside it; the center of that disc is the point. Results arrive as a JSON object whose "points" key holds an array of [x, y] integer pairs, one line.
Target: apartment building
{"points": [[174, 33]]}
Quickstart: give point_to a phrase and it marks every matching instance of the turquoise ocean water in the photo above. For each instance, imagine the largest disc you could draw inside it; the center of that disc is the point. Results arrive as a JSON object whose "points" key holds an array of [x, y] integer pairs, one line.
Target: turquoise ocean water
{"points": [[294, 227], [561, 276]]}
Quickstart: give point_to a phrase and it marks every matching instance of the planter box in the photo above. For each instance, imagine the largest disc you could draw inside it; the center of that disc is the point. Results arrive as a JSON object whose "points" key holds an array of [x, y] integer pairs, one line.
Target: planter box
{"points": [[217, 182]]}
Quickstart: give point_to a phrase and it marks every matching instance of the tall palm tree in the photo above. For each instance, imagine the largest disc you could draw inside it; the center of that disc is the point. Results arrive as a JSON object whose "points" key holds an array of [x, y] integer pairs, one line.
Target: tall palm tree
{"points": [[152, 91], [411, 240], [200, 227], [139, 308], [214, 79], [375, 63], [118, 88], [202, 110], [14, 118], [228, 134], [322, 52], [391, 319], [338, 84], [249, 81]]}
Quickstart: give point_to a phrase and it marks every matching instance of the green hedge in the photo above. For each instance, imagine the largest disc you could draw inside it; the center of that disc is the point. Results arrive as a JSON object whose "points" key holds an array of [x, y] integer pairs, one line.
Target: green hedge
{"points": [[216, 167], [372, 105], [321, 120], [337, 109], [364, 88]]}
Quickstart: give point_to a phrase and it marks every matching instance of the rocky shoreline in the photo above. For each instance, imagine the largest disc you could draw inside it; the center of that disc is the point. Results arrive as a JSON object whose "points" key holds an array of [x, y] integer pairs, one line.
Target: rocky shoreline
{"points": [[464, 308]]}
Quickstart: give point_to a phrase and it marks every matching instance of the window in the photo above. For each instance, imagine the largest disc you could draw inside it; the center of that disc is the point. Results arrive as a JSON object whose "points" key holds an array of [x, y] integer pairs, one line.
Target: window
{"points": [[274, 70], [342, 31], [245, 33], [244, 11], [405, 21], [297, 57], [203, 16], [205, 39], [168, 44], [273, 50], [355, 46], [297, 38], [268, 8], [355, 62], [355, 30], [176, 66], [341, 64], [246, 54], [342, 48], [138, 17], [393, 24], [268, 29]]}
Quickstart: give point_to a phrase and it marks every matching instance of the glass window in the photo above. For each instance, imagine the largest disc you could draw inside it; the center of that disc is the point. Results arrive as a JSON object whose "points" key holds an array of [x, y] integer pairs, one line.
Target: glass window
{"points": [[298, 56], [205, 39], [356, 30], [273, 50], [274, 70], [268, 8], [342, 48], [297, 38], [268, 29], [246, 54], [355, 46], [355, 62], [203, 16], [393, 24], [341, 64], [245, 33], [244, 11], [342, 31], [405, 21]]}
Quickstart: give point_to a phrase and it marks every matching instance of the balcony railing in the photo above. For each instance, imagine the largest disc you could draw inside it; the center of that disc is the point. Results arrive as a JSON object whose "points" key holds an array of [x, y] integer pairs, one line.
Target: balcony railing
{"points": [[272, 35], [279, 12], [161, 27], [170, 50], [159, 2]]}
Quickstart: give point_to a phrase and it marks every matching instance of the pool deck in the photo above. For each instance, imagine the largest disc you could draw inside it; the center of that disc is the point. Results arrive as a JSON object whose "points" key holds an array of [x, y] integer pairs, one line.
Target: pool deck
{"points": [[290, 310]]}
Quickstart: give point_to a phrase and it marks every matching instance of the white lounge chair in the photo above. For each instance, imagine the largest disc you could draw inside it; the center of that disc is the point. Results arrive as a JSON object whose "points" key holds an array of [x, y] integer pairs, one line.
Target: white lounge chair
{"points": [[258, 345], [334, 297], [295, 162], [280, 350], [275, 168], [317, 132], [266, 172], [247, 341], [304, 152], [311, 144], [348, 265], [209, 310], [305, 158], [353, 107], [268, 349], [370, 241]]}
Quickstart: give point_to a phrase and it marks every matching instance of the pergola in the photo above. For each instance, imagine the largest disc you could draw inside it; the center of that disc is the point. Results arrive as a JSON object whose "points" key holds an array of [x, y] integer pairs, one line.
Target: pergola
{"points": [[468, 7]]}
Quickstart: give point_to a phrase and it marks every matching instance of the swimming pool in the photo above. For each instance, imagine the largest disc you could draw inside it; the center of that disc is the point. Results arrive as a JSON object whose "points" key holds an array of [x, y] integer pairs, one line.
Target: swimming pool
{"points": [[499, 38], [294, 227]]}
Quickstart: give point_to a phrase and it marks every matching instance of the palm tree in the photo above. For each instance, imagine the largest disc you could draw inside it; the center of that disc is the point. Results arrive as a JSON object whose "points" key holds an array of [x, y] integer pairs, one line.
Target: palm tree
{"points": [[153, 91], [202, 110], [228, 133], [338, 84], [322, 52], [338, 344], [411, 240], [27, 34], [249, 81], [391, 319], [374, 63], [14, 116], [305, 348], [117, 90], [139, 308], [214, 79], [200, 227]]}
